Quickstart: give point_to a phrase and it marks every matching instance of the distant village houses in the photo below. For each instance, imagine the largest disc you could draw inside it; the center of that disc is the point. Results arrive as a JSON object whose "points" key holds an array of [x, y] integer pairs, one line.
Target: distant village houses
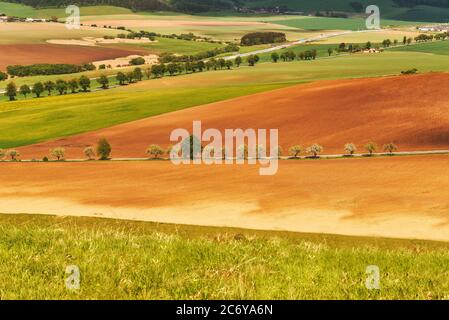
{"points": [[5, 18]]}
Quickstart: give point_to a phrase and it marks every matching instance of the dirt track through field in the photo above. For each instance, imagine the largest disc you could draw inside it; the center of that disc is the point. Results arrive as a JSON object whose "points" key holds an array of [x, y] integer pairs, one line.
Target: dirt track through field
{"points": [[410, 111], [405, 197]]}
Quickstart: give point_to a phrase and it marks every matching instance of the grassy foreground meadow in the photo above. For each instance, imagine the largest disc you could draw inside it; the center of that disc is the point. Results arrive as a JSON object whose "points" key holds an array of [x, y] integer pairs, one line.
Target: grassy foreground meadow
{"points": [[141, 260]]}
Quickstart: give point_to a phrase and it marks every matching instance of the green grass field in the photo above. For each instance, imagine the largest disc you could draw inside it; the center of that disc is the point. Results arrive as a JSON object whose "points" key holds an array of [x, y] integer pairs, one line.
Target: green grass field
{"points": [[24, 11], [34, 120], [167, 45], [319, 23], [141, 260], [436, 47]]}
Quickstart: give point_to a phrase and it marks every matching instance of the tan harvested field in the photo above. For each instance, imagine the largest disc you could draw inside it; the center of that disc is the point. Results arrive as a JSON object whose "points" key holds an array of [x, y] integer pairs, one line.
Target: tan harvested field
{"points": [[405, 197], [26, 54], [410, 111], [23, 32], [161, 23]]}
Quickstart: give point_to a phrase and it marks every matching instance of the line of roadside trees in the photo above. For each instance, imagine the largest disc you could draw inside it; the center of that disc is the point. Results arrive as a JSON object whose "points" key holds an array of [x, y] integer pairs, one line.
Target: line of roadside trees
{"points": [[157, 71], [103, 150]]}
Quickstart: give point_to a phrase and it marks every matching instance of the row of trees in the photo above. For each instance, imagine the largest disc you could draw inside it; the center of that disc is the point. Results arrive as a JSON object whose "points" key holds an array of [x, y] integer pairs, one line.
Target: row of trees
{"points": [[60, 85], [291, 55], [47, 69], [103, 150], [157, 71], [73, 85]]}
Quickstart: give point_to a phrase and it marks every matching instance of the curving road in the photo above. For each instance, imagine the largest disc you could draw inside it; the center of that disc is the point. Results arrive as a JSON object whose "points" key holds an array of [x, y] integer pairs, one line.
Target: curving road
{"points": [[300, 41]]}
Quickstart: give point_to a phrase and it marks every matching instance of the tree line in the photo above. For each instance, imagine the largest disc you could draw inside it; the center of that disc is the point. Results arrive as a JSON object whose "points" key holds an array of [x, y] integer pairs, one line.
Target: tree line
{"points": [[255, 38], [103, 150], [47, 69], [188, 6]]}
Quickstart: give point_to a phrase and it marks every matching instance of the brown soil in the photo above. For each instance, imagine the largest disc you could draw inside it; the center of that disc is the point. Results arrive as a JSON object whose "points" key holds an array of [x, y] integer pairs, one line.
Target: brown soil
{"points": [[410, 111], [404, 197], [26, 54]]}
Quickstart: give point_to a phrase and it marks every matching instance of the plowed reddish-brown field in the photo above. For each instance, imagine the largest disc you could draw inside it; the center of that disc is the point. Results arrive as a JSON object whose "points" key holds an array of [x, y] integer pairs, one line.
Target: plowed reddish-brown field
{"points": [[404, 197], [26, 54], [410, 111]]}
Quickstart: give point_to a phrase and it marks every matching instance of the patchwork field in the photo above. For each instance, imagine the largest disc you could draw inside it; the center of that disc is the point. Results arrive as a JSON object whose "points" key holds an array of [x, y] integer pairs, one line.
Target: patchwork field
{"points": [[64, 116], [221, 28], [406, 110], [149, 229]]}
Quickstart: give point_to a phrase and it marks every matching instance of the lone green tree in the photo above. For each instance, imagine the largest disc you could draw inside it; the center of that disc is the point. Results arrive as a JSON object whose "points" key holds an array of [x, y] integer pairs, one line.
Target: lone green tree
{"points": [[89, 152], [58, 153], [103, 149], [138, 74], [390, 148], [350, 148], [315, 150], [73, 85], [3, 76], [251, 60], [11, 91], [61, 86], [104, 81], [295, 151], [121, 78], [24, 90], [155, 151], [238, 61], [84, 83], [38, 88], [371, 147], [49, 86], [13, 154], [275, 57]]}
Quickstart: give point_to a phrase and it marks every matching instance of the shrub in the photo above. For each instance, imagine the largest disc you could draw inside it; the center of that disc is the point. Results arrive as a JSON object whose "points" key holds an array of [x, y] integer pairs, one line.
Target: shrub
{"points": [[155, 150], [371, 147], [315, 150], [13, 154], [295, 151], [103, 149], [390, 147], [11, 91], [89, 153], [350, 148], [137, 61], [45, 159], [58, 153], [3, 76]]}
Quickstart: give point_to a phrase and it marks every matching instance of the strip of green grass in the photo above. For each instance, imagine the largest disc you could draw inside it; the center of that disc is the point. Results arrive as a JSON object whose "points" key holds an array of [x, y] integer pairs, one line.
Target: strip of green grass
{"points": [[141, 260], [35, 120], [319, 23], [24, 11], [435, 47]]}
